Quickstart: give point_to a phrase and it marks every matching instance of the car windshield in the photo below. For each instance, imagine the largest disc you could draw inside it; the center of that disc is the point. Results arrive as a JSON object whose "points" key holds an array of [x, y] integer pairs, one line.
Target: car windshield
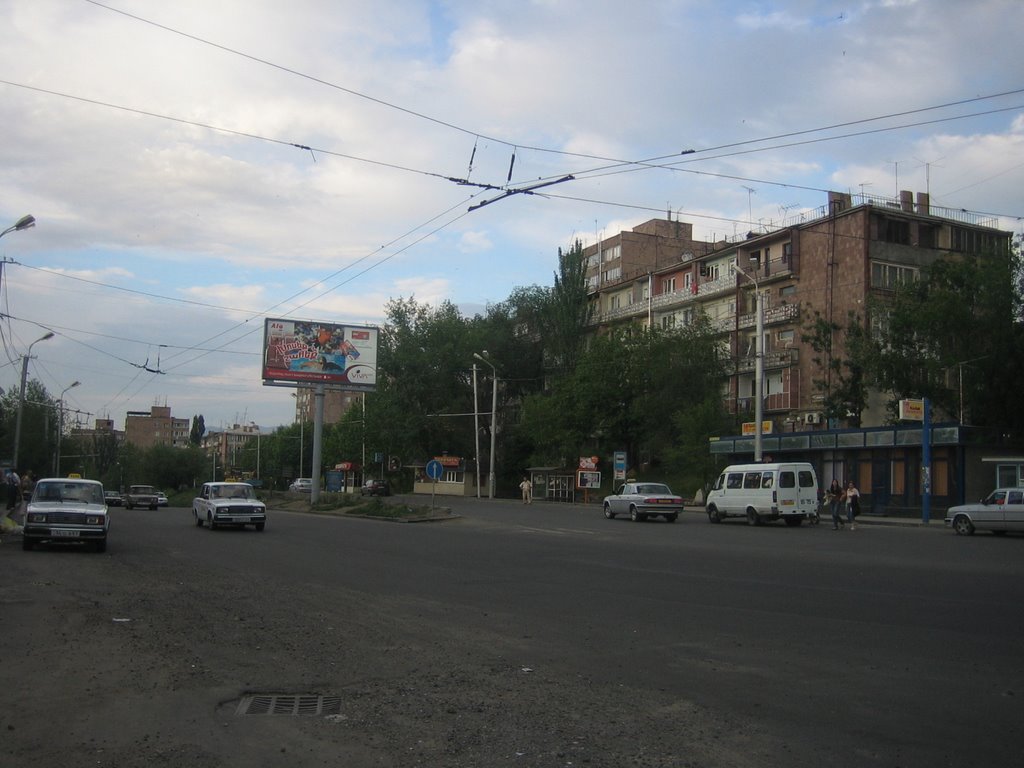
{"points": [[656, 488], [234, 491], [140, 489], [69, 491]]}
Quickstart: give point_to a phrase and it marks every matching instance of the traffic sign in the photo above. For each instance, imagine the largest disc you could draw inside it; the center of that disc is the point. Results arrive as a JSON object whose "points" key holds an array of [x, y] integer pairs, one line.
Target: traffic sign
{"points": [[434, 469]]}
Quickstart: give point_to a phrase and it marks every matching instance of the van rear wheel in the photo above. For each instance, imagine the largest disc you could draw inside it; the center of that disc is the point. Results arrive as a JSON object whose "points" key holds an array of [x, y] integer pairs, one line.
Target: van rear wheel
{"points": [[753, 518]]}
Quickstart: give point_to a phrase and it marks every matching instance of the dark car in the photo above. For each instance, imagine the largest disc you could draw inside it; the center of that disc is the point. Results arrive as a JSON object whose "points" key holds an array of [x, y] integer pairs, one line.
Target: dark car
{"points": [[375, 488], [113, 498]]}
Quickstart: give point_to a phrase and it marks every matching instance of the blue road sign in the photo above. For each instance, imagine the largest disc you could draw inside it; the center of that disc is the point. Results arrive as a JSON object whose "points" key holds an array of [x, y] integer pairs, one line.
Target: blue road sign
{"points": [[434, 469]]}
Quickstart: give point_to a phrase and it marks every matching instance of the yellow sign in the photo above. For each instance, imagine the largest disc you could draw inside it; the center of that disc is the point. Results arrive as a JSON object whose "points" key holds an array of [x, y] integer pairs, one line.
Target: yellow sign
{"points": [[912, 410], [750, 427]]}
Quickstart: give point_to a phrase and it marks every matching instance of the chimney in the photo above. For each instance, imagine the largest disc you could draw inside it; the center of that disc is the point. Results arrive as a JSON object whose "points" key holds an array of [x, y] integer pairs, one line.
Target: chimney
{"points": [[907, 200], [923, 204]]}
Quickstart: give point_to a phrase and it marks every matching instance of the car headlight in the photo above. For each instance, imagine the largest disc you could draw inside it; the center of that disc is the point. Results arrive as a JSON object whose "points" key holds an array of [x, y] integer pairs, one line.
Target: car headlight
{"points": [[93, 520], [37, 517]]}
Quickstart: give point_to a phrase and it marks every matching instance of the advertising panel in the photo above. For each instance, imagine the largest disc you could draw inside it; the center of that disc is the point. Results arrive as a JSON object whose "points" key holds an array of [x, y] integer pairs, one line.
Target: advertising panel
{"points": [[337, 356]]}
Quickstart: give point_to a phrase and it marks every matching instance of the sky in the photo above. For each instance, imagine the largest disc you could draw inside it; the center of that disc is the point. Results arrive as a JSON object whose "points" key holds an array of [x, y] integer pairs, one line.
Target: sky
{"points": [[197, 167]]}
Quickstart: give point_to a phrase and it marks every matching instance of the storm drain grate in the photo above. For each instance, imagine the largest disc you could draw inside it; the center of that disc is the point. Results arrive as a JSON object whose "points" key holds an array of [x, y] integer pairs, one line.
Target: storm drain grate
{"points": [[289, 704]]}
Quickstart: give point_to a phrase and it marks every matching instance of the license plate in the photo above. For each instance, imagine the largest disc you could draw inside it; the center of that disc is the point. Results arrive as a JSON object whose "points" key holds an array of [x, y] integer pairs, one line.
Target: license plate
{"points": [[243, 520], [64, 534]]}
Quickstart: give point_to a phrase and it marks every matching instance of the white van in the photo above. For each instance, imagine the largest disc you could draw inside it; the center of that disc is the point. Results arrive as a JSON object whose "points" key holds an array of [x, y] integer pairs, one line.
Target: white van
{"points": [[762, 492]]}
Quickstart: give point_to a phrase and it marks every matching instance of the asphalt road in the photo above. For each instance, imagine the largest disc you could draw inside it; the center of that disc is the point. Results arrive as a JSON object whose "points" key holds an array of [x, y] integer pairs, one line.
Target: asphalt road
{"points": [[515, 635]]}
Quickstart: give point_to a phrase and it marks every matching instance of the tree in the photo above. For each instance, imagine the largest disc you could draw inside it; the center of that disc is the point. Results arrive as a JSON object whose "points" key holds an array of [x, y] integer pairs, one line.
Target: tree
{"points": [[195, 435], [843, 380], [955, 336]]}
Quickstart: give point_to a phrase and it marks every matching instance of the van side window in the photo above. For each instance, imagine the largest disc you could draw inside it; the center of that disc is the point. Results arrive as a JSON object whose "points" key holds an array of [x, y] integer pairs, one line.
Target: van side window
{"points": [[735, 481], [787, 480], [806, 479], [767, 479], [1016, 497], [752, 480]]}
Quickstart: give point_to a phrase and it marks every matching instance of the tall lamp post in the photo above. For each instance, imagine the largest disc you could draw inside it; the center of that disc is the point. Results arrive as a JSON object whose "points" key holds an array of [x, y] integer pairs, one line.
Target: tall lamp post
{"points": [[494, 414], [25, 222], [60, 426], [21, 397], [758, 363]]}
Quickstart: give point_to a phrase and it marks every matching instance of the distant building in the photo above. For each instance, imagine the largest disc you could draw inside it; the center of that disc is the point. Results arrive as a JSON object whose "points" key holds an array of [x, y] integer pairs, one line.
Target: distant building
{"points": [[146, 429], [227, 444], [336, 404]]}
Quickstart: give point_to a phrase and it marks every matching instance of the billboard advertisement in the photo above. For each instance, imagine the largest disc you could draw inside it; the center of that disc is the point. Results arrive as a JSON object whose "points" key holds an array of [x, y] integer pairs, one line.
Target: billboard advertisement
{"points": [[299, 352]]}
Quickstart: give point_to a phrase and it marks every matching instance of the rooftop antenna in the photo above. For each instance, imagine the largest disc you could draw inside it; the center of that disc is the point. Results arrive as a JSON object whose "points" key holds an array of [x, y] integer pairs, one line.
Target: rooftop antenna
{"points": [[750, 210], [896, 167]]}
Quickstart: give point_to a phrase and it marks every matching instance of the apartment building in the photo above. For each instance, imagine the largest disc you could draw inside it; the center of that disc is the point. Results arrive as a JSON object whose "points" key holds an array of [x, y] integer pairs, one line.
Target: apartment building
{"points": [[336, 404], [827, 262], [227, 444], [156, 426]]}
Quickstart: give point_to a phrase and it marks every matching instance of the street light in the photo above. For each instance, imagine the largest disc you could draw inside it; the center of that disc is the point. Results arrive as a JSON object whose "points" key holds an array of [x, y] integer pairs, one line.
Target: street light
{"points": [[494, 413], [60, 426], [25, 222], [758, 362], [24, 375]]}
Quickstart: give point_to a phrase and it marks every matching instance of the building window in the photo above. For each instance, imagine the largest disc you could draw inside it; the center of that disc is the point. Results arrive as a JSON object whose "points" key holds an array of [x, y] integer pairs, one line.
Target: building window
{"points": [[668, 285], [787, 290], [668, 321], [688, 282], [612, 252], [787, 337], [889, 276], [897, 231], [613, 274], [787, 253]]}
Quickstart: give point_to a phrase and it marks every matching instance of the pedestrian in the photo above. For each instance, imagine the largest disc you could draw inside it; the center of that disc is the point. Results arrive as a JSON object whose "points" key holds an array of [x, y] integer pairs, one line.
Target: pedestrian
{"points": [[527, 488], [835, 501], [13, 490], [852, 504]]}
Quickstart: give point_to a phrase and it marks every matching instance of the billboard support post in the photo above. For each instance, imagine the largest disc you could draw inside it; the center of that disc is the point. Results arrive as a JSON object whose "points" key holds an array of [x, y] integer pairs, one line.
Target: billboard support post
{"points": [[318, 433]]}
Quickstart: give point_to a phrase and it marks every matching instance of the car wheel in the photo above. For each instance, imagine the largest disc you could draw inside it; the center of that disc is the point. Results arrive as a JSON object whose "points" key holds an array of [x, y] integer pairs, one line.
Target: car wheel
{"points": [[753, 518], [199, 520], [260, 526], [671, 518], [209, 522], [608, 512], [634, 515], [127, 506], [714, 515], [153, 508], [962, 525]]}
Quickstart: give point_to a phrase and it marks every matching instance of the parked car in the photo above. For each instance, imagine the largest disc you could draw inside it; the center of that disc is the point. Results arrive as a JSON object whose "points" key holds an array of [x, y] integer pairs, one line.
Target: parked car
{"points": [[140, 496], [643, 500], [999, 512], [113, 498], [66, 510], [229, 504], [161, 499], [375, 488], [301, 485]]}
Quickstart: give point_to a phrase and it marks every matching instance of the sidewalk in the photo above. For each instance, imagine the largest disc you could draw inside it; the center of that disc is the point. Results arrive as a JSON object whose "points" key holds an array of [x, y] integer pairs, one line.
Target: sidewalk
{"points": [[937, 522]]}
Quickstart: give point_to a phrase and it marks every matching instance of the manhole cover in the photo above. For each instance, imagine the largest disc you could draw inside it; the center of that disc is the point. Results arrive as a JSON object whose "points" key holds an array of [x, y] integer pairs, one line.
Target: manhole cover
{"points": [[309, 704]]}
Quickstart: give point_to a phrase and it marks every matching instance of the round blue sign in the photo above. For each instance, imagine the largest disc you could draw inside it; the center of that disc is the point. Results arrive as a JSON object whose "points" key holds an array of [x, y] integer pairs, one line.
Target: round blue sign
{"points": [[434, 469]]}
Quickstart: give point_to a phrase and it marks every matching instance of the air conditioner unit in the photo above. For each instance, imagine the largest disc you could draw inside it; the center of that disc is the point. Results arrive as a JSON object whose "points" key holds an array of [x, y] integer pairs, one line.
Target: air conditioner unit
{"points": [[812, 418]]}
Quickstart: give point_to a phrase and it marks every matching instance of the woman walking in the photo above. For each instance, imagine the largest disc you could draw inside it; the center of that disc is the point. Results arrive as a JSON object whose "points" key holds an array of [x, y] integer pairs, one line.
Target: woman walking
{"points": [[835, 500], [852, 504]]}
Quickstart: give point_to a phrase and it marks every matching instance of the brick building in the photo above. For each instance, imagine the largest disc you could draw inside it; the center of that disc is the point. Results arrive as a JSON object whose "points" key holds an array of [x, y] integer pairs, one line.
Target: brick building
{"points": [[156, 426]]}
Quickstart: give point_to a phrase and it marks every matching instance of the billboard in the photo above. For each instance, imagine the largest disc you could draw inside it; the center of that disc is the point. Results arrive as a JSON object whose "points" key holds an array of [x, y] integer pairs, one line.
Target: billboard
{"points": [[299, 352]]}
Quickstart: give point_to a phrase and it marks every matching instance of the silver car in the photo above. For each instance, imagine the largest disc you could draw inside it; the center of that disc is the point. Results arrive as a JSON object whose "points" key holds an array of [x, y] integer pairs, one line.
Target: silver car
{"points": [[643, 500], [67, 510], [999, 512]]}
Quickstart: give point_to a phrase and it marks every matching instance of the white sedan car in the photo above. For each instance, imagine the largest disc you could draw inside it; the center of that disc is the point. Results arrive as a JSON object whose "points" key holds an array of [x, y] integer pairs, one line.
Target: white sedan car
{"points": [[643, 500], [999, 512]]}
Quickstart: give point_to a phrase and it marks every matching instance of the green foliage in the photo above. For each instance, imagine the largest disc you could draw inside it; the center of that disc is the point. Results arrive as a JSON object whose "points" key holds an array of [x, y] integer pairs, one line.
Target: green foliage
{"points": [[955, 337], [843, 356]]}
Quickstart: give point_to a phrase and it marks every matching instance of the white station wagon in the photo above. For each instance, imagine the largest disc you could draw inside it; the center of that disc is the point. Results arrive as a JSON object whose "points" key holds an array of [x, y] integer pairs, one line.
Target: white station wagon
{"points": [[999, 512]]}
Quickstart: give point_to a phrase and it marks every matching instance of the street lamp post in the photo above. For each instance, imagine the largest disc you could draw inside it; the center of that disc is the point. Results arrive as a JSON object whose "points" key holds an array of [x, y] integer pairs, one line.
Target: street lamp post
{"points": [[21, 396], [494, 414], [476, 433], [24, 222], [60, 426], [758, 363]]}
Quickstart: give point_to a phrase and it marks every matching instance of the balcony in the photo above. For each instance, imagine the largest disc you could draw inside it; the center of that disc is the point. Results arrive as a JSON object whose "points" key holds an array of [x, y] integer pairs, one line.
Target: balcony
{"points": [[781, 358], [781, 314]]}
